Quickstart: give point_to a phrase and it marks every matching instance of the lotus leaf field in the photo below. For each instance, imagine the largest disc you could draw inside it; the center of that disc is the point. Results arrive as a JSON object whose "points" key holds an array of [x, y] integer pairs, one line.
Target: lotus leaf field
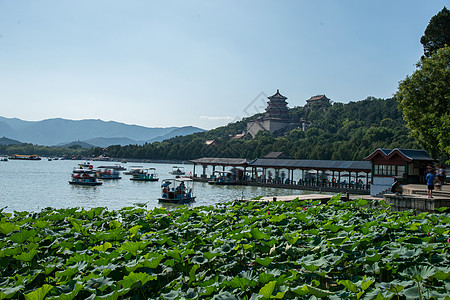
{"points": [[240, 250]]}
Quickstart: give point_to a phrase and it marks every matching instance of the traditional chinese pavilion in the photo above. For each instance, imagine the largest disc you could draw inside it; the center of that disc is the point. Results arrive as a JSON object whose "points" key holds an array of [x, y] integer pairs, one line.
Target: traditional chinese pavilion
{"points": [[404, 165], [275, 118]]}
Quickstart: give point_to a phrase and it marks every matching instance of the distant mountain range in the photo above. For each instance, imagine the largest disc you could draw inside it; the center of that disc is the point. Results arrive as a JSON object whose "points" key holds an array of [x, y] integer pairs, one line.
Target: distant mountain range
{"points": [[57, 132]]}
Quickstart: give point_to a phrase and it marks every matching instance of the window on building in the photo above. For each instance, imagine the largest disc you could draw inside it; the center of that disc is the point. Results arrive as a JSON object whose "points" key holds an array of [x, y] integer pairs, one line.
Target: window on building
{"points": [[388, 170], [401, 170]]}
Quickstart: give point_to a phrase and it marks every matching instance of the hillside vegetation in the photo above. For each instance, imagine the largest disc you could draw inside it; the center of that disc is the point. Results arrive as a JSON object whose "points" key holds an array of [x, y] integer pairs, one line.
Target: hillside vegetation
{"points": [[343, 132]]}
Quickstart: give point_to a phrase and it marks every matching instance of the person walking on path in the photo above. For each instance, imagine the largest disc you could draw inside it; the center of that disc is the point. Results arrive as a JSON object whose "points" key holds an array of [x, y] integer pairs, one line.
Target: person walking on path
{"points": [[430, 182]]}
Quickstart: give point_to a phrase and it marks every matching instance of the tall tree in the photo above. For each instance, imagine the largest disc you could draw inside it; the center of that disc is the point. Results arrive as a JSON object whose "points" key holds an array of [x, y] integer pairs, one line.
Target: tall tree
{"points": [[437, 33], [424, 98]]}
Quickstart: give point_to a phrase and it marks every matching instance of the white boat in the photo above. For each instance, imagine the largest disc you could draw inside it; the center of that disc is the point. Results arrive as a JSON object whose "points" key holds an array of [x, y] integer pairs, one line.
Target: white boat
{"points": [[84, 177], [177, 171], [143, 174], [177, 190], [109, 172], [132, 169]]}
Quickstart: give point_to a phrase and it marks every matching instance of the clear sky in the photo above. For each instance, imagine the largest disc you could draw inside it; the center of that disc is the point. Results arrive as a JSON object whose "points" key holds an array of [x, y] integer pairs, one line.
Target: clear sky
{"points": [[200, 63]]}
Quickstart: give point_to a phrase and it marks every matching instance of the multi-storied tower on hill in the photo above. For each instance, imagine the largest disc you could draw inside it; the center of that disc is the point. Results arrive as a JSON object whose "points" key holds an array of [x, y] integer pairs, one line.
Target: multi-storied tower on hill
{"points": [[275, 118]]}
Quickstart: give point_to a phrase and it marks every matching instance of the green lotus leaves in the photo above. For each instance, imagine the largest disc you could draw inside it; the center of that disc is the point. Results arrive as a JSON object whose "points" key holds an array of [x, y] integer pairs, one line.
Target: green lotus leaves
{"points": [[40, 293], [264, 261], [26, 256], [102, 248], [132, 247], [6, 228], [135, 280], [22, 236], [257, 234], [298, 249]]}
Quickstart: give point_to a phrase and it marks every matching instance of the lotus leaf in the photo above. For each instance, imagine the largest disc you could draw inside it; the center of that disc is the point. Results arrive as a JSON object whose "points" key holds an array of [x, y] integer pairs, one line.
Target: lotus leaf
{"points": [[22, 236], [134, 278], [102, 248], [265, 262], [26, 256], [257, 234], [40, 293], [6, 228]]}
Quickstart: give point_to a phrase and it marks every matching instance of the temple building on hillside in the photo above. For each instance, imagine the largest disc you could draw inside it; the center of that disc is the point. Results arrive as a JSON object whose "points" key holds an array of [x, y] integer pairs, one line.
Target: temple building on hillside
{"points": [[275, 118], [317, 102]]}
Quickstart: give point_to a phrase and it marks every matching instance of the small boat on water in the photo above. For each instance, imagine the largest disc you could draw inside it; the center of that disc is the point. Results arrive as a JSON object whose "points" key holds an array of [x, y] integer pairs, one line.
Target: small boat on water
{"points": [[132, 169], [84, 177], [119, 167], [177, 190], [85, 165], [4, 158], [148, 174], [109, 172], [177, 171]]}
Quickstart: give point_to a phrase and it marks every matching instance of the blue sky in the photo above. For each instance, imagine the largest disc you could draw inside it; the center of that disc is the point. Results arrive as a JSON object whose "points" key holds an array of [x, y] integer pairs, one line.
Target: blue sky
{"points": [[200, 63]]}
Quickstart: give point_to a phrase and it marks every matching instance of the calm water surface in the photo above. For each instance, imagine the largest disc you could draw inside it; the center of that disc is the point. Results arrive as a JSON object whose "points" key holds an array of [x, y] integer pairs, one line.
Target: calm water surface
{"points": [[33, 185]]}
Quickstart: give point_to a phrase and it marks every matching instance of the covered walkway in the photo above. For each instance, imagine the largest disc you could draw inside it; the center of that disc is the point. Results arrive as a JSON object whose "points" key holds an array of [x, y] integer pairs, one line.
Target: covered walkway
{"points": [[325, 175], [316, 173]]}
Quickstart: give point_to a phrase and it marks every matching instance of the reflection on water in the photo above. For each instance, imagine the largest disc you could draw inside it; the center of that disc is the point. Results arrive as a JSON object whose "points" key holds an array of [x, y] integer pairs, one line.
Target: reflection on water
{"points": [[33, 185]]}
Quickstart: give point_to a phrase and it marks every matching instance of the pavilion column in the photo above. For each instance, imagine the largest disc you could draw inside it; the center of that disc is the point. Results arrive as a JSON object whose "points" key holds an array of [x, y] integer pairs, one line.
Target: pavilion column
{"points": [[317, 177], [356, 180], [349, 178], [193, 172], [333, 180], [367, 180], [204, 170], [339, 178]]}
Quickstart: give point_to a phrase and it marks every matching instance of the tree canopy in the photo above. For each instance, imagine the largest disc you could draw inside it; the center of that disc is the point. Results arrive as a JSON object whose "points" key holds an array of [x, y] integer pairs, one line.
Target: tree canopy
{"points": [[424, 98], [437, 33]]}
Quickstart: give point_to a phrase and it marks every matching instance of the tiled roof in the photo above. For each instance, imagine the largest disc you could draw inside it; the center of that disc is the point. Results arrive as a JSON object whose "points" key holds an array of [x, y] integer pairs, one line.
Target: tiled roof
{"points": [[220, 161], [277, 95], [318, 97], [407, 154], [330, 165]]}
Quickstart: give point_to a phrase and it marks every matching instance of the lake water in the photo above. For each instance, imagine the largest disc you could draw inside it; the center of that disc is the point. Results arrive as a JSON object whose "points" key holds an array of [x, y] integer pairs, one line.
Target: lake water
{"points": [[33, 185]]}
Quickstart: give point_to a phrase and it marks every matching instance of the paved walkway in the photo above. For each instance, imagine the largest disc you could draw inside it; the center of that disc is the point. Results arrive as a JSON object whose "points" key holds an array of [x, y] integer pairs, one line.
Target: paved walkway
{"points": [[422, 189]]}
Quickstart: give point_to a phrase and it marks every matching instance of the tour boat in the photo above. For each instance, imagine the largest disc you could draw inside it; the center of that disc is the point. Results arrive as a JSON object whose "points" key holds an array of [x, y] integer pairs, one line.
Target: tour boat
{"points": [[177, 190], [85, 165], [148, 174], [25, 157], [84, 177], [132, 169], [119, 167], [109, 172], [4, 158], [177, 171]]}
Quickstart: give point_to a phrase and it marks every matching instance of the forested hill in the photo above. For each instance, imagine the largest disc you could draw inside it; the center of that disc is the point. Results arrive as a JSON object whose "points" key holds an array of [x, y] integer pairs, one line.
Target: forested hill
{"points": [[343, 132]]}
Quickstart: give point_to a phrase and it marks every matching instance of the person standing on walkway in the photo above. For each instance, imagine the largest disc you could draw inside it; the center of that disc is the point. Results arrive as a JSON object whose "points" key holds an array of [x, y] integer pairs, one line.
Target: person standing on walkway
{"points": [[430, 182]]}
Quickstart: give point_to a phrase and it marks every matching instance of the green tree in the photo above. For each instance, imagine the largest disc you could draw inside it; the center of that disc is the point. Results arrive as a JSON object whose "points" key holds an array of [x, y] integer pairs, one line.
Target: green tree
{"points": [[437, 33], [424, 98]]}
